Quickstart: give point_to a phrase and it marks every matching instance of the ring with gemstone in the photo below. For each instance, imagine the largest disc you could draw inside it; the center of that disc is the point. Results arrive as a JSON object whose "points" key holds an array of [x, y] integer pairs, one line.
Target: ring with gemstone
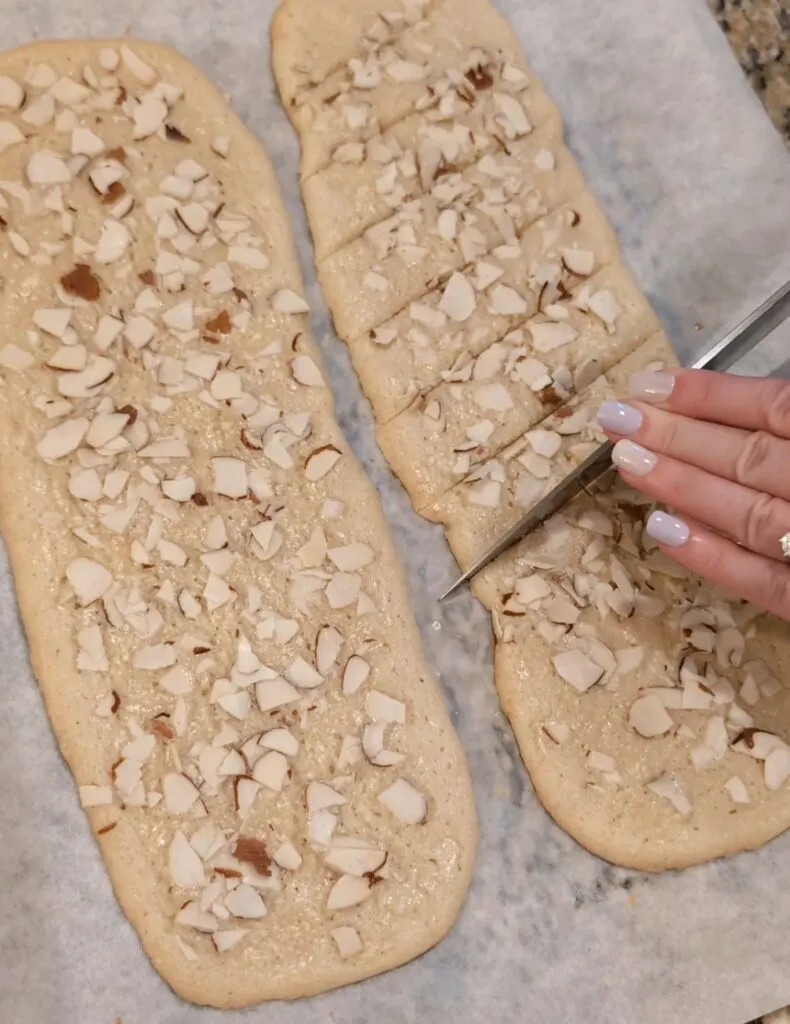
{"points": [[784, 543]]}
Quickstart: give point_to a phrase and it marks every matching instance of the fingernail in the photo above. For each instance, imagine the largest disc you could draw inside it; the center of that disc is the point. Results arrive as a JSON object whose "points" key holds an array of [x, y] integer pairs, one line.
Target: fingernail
{"points": [[667, 529], [619, 418], [651, 386], [633, 458]]}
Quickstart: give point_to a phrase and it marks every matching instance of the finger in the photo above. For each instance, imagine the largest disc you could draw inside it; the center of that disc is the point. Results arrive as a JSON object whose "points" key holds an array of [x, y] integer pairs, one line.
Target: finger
{"points": [[751, 518], [754, 459], [747, 402], [760, 580]]}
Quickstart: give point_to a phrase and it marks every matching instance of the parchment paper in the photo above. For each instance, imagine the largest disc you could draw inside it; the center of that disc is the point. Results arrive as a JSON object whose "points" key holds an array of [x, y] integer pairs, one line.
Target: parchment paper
{"points": [[698, 186]]}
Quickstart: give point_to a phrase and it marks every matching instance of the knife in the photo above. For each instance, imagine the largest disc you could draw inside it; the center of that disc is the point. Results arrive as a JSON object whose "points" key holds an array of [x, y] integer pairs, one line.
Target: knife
{"points": [[721, 356]]}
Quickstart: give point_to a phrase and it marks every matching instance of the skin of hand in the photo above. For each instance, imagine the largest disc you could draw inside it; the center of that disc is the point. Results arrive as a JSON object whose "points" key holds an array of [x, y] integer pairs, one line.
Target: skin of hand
{"points": [[715, 448]]}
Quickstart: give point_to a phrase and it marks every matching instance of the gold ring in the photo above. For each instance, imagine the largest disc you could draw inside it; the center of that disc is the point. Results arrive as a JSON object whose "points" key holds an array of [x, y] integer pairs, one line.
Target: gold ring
{"points": [[784, 543]]}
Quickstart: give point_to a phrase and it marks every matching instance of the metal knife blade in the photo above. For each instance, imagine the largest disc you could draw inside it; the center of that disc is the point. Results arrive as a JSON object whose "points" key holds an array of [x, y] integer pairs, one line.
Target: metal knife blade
{"points": [[720, 356]]}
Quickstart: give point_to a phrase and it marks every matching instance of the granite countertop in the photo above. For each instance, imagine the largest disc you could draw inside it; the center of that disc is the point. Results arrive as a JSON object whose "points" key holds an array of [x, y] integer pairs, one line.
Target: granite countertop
{"points": [[759, 33]]}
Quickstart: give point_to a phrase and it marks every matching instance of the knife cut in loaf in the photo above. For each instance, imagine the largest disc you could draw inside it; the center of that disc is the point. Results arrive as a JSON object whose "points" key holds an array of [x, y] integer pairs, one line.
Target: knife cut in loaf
{"points": [[487, 311], [215, 612]]}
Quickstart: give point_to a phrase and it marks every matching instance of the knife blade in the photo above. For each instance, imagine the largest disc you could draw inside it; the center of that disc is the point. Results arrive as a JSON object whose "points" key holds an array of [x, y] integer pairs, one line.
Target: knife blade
{"points": [[720, 357]]}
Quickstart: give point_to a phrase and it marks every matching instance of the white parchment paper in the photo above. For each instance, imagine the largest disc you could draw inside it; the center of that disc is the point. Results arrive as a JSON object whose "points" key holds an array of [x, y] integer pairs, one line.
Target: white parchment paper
{"points": [[697, 185]]}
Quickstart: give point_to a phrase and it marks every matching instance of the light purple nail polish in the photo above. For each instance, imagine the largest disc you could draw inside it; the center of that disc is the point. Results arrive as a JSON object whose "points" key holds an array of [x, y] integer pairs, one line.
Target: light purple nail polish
{"points": [[633, 458], [667, 529], [651, 386], [619, 418]]}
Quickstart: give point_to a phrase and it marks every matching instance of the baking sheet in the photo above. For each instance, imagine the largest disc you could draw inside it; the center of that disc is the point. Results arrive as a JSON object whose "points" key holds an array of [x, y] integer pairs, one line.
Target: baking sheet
{"points": [[698, 186]]}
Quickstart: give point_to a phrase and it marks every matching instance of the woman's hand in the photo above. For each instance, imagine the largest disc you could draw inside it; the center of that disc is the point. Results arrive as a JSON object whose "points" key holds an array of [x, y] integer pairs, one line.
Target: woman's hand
{"points": [[716, 449]]}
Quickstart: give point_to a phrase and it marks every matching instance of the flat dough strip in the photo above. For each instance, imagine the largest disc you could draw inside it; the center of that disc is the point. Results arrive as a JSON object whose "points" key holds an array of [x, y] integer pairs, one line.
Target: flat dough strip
{"points": [[588, 587], [250, 396], [336, 112]]}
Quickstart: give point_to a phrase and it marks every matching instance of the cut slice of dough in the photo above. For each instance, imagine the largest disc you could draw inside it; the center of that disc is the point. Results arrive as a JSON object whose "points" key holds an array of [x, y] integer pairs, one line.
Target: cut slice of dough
{"points": [[215, 611], [366, 180], [511, 385], [437, 336], [637, 695], [378, 84], [463, 217]]}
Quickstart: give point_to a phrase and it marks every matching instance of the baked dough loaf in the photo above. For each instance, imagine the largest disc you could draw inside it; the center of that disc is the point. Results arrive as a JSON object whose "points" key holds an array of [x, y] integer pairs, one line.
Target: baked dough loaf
{"points": [[488, 312], [215, 611]]}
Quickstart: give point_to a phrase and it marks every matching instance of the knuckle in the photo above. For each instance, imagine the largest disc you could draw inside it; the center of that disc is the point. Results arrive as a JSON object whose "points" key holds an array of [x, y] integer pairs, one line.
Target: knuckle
{"points": [[774, 591], [663, 433], [778, 408], [761, 522], [752, 457]]}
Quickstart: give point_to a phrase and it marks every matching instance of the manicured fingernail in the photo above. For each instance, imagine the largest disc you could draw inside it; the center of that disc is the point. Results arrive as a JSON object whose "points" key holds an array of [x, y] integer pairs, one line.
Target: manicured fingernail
{"points": [[667, 529], [633, 458], [651, 386], [619, 418]]}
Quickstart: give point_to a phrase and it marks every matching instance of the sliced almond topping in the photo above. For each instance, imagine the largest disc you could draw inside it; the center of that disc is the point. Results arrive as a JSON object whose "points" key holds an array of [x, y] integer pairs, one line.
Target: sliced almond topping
{"points": [[180, 317], [306, 372], [549, 335], [374, 748], [347, 941], [63, 439], [89, 580], [193, 917], [327, 649], [230, 477], [458, 299], [155, 656], [321, 797], [186, 867], [137, 67], [177, 681], [47, 168], [343, 589], [246, 256], [383, 708], [149, 116], [113, 242], [352, 557], [578, 261], [287, 856], [505, 301], [354, 857], [649, 717], [95, 796], [302, 674], [736, 787], [12, 95], [348, 891], [408, 804], [228, 938], [320, 462], [777, 767], [355, 673], [287, 301], [245, 902], [671, 788], [282, 740], [180, 793], [577, 669]]}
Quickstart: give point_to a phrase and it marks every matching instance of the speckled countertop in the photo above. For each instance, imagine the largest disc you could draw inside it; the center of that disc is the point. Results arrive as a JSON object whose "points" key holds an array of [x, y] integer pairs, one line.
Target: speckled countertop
{"points": [[759, 33]]}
